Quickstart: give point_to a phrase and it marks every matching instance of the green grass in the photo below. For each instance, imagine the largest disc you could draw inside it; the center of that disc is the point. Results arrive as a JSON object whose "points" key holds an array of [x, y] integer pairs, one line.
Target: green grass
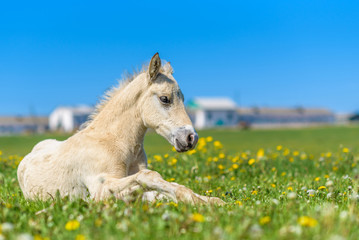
{"points": [[266, 190]]}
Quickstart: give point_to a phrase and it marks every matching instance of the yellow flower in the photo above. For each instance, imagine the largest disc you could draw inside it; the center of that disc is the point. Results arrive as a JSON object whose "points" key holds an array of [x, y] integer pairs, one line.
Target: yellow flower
{"points": [[326, 176], [98, 222], [264, 220], [233, 178], [273, 169], [251, 161], [222, 155], [273, 185], [254, 192], [335, 168], [279, 147], [72, 225], [217, 144], [307, 221], [328, 155], [209, 139], [0, 152], [173, 204], [80, 237], [239, 203], [235, 166], [158, 158], [197, 217], [345, 150], [220, 166], [283, 174], [260, 153], [290, 188], [321, 187], [295, 153], [317, 179]]}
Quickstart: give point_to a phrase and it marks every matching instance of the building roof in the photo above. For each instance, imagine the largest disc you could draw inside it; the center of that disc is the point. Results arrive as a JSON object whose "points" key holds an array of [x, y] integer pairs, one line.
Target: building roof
{"points": [[283, 111], [81, 109], [213, 103], [20, 120]]}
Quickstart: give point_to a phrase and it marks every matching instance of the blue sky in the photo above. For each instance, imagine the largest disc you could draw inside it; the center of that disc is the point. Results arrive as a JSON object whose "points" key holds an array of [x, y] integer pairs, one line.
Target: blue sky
{"points": [[260, 53]]}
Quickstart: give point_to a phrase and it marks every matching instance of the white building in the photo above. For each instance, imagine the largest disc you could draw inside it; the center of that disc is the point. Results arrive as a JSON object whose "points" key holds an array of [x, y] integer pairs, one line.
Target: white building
{"points": [[69, 119], [23, 124], [212, 112]]}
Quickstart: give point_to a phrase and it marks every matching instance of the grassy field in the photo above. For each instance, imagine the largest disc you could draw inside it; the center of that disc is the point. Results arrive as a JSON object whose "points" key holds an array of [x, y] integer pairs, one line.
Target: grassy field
{"points": [[278, 184]]}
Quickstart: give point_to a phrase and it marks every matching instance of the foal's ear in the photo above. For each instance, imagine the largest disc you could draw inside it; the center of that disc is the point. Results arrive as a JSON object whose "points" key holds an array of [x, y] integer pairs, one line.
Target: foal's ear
{"points": [[168, 68], [155, 66]]}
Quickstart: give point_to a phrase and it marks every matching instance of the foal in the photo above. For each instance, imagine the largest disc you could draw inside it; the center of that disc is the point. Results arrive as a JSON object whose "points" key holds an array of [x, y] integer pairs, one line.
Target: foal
{"points": [[107, 158]]}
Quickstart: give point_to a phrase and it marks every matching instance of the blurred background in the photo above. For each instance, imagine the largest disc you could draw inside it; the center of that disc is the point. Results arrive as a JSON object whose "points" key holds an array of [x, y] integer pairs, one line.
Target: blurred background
{"points": [[241, 64]]}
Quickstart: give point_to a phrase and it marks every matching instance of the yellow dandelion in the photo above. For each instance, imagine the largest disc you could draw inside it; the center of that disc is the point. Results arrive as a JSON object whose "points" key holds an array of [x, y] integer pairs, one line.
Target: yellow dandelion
{"points": [[209, 139], [233, 178], [326, 176], [251, 161], [158, 158], [98, 222], [328, 154], [273, 169], [317, 179], [295, 153], [345, 150], [235, 166], [283, 174], [220, 167], [321, 187], [279, 147], [217, 144], [307, 221], [260, 153], [80, 237], [221, 155], [254, 192], [335, 168], [290, 188], [264, 220], [72, 225], [197, 217], [273, 185], [239, 203]]}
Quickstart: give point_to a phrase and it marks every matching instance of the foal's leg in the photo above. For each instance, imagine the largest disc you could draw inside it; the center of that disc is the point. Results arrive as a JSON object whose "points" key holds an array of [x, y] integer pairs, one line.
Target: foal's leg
{"points": [[147, 180]]}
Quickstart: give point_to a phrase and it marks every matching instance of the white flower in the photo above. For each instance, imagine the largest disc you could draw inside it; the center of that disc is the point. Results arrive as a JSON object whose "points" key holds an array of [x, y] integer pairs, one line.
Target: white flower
{"points": [[311, 192], [329, 183], [24, 236], [292, 195], [275, 201], [7, 227]]}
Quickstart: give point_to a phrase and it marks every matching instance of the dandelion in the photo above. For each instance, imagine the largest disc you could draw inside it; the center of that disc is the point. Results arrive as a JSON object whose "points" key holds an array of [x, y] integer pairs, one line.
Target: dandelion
{"points": [[307, 221], [328, 155], [321, 187], [264, 220], [158, 158], [239, 203], [311, 192], [295, 153], [220, 167], [251, 161], [254, 192], [80, 237], [98, 222], [209, 139], [260, 153], [235, 166], [335, 168], [233, 178], [217, 144], [290, 188], [273, 185], [283, 174], [345, 150], [317, 179], [221, 155], [197, 217], [72, 225], [279, 147]]}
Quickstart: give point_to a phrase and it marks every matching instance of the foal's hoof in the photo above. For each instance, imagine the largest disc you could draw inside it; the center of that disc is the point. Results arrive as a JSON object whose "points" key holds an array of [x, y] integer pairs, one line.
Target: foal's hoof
{"points": [[216, 201]]}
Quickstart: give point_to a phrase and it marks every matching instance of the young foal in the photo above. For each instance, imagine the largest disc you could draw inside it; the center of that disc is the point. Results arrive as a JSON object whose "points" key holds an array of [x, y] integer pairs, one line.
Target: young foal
{"points": [[107, 158]]}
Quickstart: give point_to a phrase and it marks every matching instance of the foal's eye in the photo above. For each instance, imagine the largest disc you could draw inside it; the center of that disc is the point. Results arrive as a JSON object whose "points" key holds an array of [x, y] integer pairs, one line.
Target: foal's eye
{"points": [[164, 99]]}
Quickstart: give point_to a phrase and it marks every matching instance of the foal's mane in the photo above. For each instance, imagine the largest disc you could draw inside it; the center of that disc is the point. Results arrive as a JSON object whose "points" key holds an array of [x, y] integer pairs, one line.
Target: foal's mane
{"points": [[126, 79]]}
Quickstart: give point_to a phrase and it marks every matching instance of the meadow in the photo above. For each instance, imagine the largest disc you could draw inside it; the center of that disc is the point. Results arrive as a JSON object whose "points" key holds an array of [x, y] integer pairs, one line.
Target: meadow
{"points": [[278, 184]]}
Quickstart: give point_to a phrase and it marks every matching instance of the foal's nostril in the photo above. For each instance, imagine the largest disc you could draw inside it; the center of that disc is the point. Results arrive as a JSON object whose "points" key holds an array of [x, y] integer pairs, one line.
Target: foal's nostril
{"points": [[190, 140]]}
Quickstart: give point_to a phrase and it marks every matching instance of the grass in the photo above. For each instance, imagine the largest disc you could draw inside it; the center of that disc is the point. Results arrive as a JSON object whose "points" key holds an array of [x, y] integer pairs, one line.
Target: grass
{"points": [[278, 184]]}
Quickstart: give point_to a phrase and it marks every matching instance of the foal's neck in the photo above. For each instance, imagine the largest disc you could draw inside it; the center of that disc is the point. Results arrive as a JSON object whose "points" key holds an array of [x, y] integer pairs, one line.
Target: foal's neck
{"points": [[120, 122]]}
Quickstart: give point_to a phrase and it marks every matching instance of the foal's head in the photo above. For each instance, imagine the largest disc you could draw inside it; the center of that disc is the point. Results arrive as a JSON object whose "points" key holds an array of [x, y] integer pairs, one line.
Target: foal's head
{"points": [[162, 107]]}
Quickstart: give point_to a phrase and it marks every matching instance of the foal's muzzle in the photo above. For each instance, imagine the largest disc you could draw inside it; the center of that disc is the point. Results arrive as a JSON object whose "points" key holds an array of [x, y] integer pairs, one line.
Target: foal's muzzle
{"points": [[185, 138]]}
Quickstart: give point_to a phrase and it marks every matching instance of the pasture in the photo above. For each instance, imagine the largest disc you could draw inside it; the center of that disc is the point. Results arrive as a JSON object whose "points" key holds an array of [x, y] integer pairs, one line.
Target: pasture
{"points": [[278, 184]]}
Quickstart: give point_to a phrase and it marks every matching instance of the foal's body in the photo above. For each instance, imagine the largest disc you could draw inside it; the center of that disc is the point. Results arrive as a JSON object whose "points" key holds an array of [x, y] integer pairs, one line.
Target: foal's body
{"points": [[107, 158]]}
